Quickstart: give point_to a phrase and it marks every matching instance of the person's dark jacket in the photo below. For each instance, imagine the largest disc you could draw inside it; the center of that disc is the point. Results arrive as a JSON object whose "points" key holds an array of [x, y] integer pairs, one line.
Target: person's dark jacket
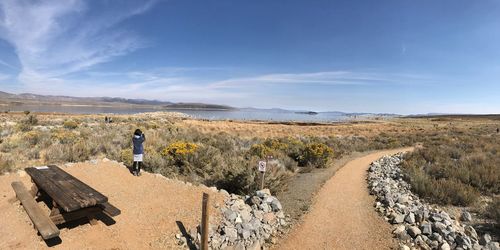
{"points": [[137, 140]]}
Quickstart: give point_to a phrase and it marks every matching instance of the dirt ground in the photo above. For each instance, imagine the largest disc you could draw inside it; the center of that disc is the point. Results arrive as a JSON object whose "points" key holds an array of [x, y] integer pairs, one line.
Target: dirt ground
{"points": [[297, 198], [342, 214], [153, 209]]}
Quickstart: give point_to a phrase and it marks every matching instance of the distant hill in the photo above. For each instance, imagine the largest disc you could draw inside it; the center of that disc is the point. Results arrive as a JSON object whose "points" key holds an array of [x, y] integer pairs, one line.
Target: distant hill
{"points": [[202, 106], [34, 99]]}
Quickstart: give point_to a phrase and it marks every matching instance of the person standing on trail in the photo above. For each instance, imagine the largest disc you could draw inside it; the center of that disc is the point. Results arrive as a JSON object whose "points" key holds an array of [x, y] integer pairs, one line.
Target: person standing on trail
{"points": [[138, 152]]}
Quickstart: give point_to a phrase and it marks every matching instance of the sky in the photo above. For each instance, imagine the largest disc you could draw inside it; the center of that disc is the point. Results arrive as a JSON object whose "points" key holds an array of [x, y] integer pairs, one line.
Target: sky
{"points": [[392, 56]]}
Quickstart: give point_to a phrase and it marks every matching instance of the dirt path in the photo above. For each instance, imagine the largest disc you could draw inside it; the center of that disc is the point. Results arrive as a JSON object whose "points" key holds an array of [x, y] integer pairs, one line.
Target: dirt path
{"points": [[342, 216], [151, 208], [302, 189]]}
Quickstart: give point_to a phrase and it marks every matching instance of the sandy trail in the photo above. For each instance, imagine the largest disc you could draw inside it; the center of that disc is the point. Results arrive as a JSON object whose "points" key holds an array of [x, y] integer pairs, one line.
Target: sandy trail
{"points": [[342, 215], [150, 205]]}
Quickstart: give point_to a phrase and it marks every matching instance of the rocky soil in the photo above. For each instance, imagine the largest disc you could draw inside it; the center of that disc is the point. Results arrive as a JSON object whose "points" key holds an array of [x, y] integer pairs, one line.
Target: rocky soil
{"points": [[417, 224], [248, 222]]}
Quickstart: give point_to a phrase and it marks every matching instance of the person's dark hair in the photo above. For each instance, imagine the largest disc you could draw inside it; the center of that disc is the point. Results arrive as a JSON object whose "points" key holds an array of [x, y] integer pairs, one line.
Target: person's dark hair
{"points": [[138, 132]]}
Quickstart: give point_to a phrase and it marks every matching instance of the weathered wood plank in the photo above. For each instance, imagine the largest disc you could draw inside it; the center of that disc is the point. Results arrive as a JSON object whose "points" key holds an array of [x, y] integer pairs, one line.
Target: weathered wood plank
{"points": [[110, 210], [41, 221], [82, 190], [58, 194], [89, 212]]}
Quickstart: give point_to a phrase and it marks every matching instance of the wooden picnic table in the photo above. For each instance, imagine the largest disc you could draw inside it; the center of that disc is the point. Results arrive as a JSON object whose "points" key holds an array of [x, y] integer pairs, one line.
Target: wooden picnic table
{"points": [[68, 198]]}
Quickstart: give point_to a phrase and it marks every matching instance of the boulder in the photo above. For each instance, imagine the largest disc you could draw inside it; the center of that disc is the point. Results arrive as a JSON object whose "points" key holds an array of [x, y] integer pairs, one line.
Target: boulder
{"points": [[231, 234], [410, 218], [276, 205], [398, 218], [445, 246], [439, 227], [399, 229], [484, 239], [426, 228], [466, 216], [263, 193], [413, 231], [471, 232], [493, 246]]}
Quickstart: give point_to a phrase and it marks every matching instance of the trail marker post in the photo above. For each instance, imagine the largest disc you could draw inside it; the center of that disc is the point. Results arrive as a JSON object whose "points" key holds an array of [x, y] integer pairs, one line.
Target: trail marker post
{"points": [[204, 221], [262, 169]]}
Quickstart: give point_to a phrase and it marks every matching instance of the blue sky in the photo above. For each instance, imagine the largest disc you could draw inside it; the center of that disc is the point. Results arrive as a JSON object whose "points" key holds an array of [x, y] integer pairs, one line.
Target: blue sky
{"points": [[397, 56]]}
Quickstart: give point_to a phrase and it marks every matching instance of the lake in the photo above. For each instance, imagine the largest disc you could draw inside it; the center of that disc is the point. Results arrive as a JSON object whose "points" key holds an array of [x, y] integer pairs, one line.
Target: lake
{"points": [[237, 114]]}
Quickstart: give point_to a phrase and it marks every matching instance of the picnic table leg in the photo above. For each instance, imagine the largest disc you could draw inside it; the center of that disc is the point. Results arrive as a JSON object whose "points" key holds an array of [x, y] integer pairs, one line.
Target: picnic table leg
{"points": [[55, 209], [92, 220]]}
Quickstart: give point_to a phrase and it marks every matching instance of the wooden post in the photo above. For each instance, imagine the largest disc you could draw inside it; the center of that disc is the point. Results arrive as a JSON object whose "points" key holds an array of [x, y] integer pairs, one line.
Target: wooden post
{"points": [[262, 180], [204, 221]]}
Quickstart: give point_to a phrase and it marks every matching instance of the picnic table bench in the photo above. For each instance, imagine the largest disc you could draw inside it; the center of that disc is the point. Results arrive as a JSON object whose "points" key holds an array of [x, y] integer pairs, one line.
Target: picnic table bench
{"points": [[68, 198]]}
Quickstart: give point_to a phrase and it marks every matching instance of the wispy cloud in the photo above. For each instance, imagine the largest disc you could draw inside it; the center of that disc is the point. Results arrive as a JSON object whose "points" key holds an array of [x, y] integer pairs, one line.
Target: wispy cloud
{"points": [[8, 65], [55, 38], [323, 78]]}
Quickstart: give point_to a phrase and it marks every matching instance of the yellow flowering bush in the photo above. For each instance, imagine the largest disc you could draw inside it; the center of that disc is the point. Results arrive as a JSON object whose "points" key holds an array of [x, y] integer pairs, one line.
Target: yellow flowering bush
{"points": [[179, 148], [275, 144], [315, 154], [260, 150], [179, 152]]}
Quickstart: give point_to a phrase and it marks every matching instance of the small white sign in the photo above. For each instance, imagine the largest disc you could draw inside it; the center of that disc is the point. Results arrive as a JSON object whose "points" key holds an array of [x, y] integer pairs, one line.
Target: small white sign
{"points": [[262, 166], [42, 167]]}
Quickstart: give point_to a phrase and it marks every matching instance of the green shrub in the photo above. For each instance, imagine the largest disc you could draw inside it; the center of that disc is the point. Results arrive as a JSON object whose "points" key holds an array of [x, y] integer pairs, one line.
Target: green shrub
{"points": [[70, 124], [32, 137], [126, 156], [6, 164], [27, 123], [441, 191]]}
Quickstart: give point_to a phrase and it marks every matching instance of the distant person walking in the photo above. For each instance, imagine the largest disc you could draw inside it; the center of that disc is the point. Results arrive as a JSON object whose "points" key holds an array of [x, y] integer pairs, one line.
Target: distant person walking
{"points": [[138, 140]]}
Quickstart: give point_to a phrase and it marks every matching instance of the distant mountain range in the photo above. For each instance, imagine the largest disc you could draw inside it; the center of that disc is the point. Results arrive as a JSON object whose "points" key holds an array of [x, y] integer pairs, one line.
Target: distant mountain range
{"points": [[34, 99]]}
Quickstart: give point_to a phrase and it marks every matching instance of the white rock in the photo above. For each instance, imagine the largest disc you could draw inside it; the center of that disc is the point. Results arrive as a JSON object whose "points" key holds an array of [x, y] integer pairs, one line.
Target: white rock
{"points": [[445, 246]]}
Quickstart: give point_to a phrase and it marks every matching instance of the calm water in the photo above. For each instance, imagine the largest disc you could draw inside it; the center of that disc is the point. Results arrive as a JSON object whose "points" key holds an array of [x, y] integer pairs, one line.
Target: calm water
{"points": [[239, 114]]}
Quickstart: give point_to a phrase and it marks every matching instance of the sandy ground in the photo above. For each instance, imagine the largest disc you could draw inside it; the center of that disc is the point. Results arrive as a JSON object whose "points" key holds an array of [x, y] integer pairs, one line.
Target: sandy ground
{"points": [[342, 215], [302, 189], [151, 206]]}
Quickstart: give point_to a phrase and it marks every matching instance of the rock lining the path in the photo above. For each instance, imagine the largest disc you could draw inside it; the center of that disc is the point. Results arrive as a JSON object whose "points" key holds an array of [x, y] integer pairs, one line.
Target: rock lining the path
{"points": [[248, 222], [417, 224]]}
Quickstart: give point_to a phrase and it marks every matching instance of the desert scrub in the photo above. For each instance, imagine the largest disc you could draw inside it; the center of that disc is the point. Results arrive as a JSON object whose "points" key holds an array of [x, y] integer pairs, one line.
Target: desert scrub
{"points": [[6, 163], [315, 154], [70, 124], [64, 136], [126, 156], [493, 210], [32, 137], [27, 123], [260, 150]]}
